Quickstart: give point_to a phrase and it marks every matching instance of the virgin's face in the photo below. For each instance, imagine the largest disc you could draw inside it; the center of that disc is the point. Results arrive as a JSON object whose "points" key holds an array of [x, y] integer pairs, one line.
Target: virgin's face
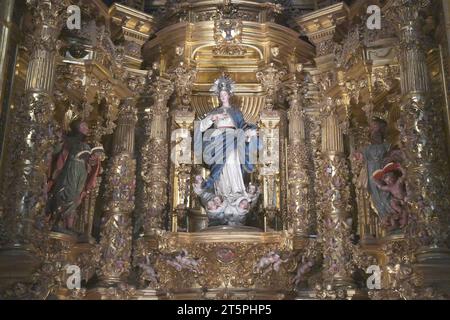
{"points": [[224, 98]]}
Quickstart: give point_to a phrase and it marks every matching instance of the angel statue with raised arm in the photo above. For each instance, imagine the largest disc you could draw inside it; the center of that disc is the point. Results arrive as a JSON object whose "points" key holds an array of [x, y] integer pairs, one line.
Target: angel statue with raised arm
{"points": [[229, 145]]}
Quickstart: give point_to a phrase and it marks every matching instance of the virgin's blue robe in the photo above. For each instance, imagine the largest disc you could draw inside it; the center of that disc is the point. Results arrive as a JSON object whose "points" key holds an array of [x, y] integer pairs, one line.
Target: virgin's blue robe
{"points": [[228, 139]]}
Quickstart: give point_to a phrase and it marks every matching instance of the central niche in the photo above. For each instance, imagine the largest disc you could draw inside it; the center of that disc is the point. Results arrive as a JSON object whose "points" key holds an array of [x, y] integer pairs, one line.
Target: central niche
{"points": [[229, 147]]}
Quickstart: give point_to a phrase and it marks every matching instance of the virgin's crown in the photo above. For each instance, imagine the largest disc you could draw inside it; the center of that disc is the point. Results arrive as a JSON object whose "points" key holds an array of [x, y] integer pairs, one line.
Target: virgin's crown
{"points": [[224, 83]]}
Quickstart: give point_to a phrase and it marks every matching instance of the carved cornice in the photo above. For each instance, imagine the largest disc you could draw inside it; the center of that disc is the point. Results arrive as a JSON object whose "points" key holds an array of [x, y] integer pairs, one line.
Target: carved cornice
{"points": [[137, 28], [320, 26]]}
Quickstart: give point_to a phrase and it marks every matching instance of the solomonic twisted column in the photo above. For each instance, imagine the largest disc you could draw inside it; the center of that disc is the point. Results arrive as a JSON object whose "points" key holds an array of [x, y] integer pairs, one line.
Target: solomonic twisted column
{"points": [[422, 131], [335, 203], [116, 230], [155, 160], [33, 125]]}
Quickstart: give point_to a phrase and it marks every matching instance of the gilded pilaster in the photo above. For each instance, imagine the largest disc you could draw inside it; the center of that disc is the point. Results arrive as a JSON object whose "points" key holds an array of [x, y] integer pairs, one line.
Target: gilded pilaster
{"points": [[116, 229]]}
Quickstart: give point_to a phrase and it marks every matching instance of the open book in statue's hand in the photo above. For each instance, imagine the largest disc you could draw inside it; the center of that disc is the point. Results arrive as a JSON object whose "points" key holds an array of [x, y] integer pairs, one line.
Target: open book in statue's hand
{"points": [[94, 152]]}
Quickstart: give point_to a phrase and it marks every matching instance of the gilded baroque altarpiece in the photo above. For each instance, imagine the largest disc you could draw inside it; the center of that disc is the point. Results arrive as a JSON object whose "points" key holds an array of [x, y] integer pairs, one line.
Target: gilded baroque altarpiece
{"points": [[97, 163]]}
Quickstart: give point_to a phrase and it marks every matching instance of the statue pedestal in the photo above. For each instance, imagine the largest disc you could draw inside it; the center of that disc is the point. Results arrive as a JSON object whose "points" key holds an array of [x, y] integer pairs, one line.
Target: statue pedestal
{"points": [[226, 260]]}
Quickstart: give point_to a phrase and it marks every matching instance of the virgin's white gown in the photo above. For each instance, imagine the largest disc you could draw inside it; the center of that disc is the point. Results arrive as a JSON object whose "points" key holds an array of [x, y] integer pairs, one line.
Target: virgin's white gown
{"points": [[230, 184]]}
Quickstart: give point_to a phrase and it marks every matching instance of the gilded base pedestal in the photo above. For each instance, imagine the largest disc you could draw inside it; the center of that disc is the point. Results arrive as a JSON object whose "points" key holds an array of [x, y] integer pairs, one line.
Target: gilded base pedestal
{"points": [[227, 260]]}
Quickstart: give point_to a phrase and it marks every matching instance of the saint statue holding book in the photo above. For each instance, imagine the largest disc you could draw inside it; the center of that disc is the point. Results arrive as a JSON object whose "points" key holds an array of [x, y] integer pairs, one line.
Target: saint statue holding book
{"points": [[73, 172]]}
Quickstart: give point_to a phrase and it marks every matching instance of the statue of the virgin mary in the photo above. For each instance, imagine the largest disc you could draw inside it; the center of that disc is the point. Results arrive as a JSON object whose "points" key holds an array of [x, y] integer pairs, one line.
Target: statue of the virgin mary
{"points": [[229, 146]]}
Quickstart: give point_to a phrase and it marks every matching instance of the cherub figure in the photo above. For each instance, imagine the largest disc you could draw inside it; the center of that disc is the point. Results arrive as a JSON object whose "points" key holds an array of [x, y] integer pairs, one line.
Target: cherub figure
{"points": [[183, 261], [148, 273], [218, 201], [215, 208], [211, 206], [216, 205], [198, 184], [244, 205], [389, 180], [271, 261], [303, 267], [253, 193], [236, 212]]}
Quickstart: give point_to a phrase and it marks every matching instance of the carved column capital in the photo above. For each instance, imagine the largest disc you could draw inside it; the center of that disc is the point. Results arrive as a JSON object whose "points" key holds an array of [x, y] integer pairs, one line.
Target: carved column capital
{"points": [[271, 78], [48, 19], [183, 79], [405, 12], [162, 89]]}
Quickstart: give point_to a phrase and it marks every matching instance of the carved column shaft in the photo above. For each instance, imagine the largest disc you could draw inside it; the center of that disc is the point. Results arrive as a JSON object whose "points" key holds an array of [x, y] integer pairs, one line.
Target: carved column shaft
{"points": [[155, 160], [32, 127], [298, 167], [116, 230], [421, 129], [335, 204]]}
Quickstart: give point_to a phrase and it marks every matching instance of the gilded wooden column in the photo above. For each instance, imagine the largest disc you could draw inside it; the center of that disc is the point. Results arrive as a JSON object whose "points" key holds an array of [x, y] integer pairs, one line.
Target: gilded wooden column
{"points": [[297, 165], [116, 229], [32, 125], [155, 159], [422, 130], [335, 203]]}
